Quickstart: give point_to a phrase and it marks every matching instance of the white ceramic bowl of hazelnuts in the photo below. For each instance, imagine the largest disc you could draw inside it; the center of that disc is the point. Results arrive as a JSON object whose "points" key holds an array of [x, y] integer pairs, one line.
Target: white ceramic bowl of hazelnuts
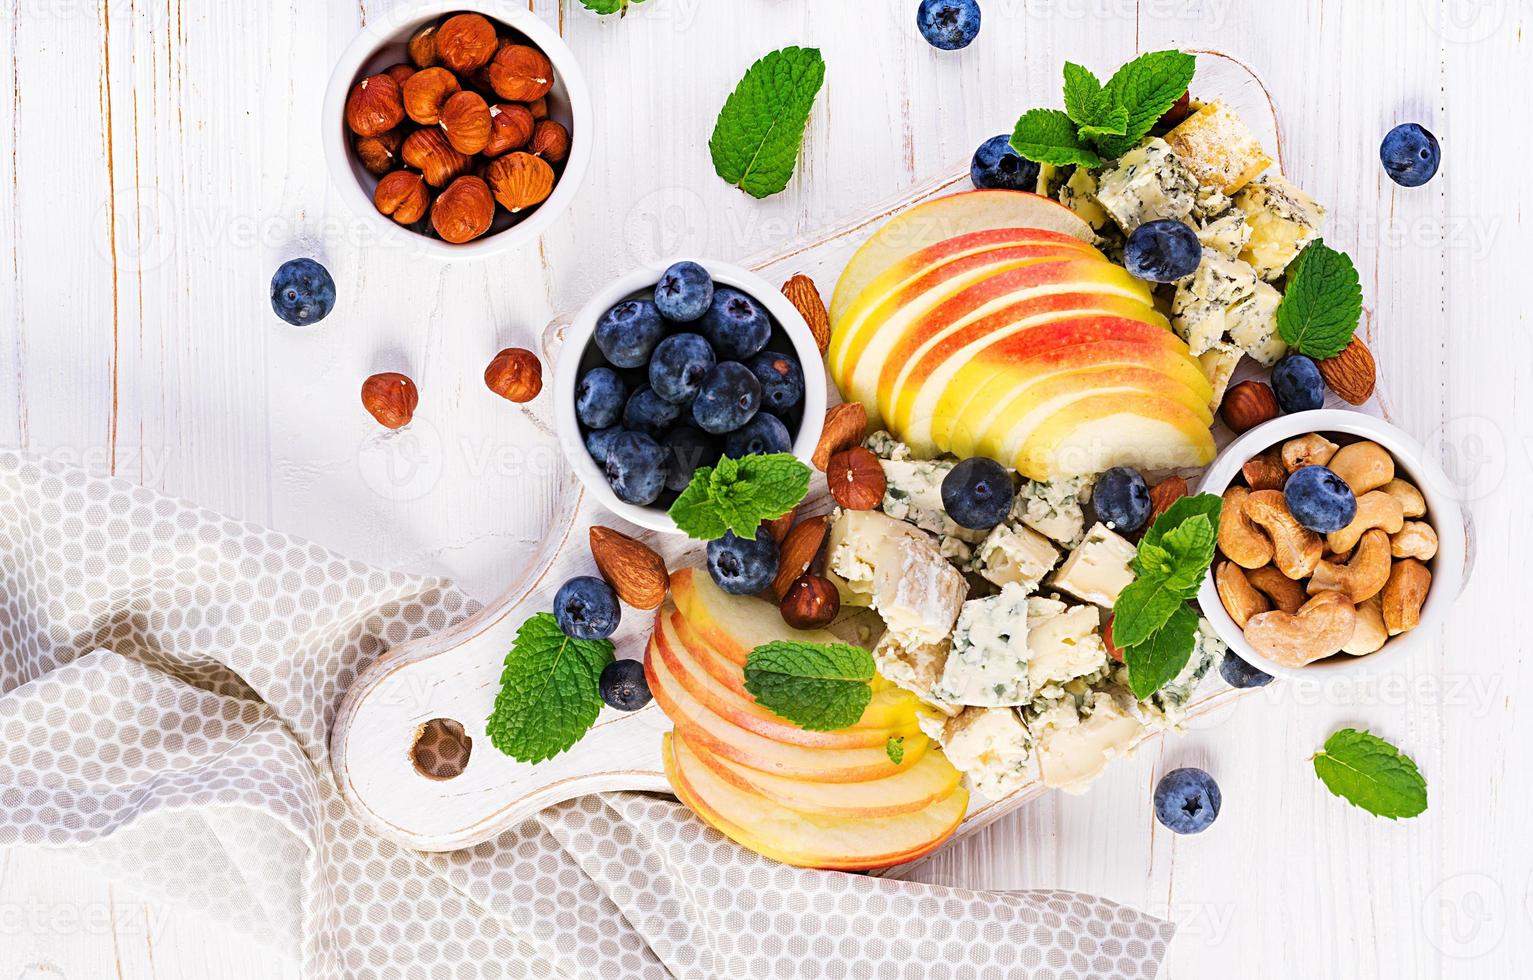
{"points": [[473, 118], [1438, 508]]}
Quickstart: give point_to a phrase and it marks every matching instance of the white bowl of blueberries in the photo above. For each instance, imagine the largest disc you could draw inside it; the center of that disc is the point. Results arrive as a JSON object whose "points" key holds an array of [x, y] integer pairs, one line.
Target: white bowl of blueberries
{"points": [[674, 366]]}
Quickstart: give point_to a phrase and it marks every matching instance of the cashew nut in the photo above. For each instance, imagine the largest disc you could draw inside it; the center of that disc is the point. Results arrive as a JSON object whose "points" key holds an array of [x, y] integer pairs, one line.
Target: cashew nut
{"points": [[1370, 633], [1264, 472], [1240, 600], [1320, 628], [1411, 501], [1360, 578], [1242, 541], [1295, 548], [1364, 465], [1416, 539], [1311, 450], [1374, 509], [1404, 594], [1285, 593]]}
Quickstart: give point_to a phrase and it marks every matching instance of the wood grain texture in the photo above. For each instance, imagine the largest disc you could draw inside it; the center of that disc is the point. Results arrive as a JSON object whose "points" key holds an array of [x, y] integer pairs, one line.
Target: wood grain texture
{"points": [[161, 161]]}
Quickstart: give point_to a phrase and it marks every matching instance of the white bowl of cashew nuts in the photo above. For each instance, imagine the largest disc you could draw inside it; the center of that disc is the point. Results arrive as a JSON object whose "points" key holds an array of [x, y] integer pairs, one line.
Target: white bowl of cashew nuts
{"points": [[1289, 640]]}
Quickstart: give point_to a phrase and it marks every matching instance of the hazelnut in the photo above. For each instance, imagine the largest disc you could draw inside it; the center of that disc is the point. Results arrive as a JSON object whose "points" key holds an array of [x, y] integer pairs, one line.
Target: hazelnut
{"points": [[538, 108], [423, 47], [856, 479], [466, 121], [427, 92], [551, 141], [402, 195], [511, 127], [466, 41], [378, 154], [1248, 405], [374, 106], [520, 180], [428, 151], [400, 73], [390, 398], [521, 73], [463, 211], [515, 375], [811, 602]]}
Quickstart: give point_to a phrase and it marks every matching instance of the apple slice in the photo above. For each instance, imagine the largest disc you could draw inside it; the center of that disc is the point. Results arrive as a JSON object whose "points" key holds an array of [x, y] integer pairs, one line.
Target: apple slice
{"points": [[944, 218], [723, 737], [1095, 434], [932, 780], [734, 625], [807, 840]]}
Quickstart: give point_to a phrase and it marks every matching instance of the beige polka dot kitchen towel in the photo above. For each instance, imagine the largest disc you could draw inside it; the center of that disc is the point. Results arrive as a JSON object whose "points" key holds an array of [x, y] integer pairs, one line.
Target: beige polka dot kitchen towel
{"points": [[167, 680]]}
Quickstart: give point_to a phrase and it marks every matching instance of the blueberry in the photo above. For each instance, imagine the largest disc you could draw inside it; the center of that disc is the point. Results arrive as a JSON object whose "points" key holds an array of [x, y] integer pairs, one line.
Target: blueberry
{"points": [[587, 608], [302, 292], [678, 366], [628, 333], [1297, 383], [782, 381], [1410, 155], [599, 397], [736, 324], [636, 467], [977, 493], [624, 686], [742, 566], [1122, 498], [997, 165], [948, 24], [1162, 251], [761, 435], [599, 442], [1187, 800], [728, 398], [648, 413], [689, 449], [684, 292], [1237, 673], [1319, 499]]}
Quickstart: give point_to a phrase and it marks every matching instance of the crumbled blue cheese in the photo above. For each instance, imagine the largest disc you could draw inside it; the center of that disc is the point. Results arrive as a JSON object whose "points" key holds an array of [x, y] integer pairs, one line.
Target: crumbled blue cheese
{"points": [[885, 446], [1014, 553], [992, 748], [988, 662], [913, 493], [915, 590], [1283, 221], [1210, 202], [1052, 508], [1062, 647], [1175, 694], [1075, 738], [1079, 194], [852, 549], [1099, 568], [1226, 234], [1201, 307], [1148, 183], [1218, 363], [1253, 325], [916, 667]]}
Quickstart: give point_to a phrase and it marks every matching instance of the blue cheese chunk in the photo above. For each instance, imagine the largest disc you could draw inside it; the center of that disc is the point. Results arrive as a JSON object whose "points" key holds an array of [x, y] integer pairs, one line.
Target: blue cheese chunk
{"points": [[992, 748], [988, 662], [1218, 364], [1148, 183], [885, 446], [913, 493], [1200, 310], [1052, 508], [1062, 647], [1075, 739], [1283, 221], [915, 590], [1226, 235], [1015, 554], [1079, 194], [915, 667], [1099, 568], [1253, 325], [852, 549], [1218, 149], [1176, 694]]}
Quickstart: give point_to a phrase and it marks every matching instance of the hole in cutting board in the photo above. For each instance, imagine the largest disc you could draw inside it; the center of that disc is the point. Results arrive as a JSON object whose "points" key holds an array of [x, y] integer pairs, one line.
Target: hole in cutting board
{"points": [[441, 749]]}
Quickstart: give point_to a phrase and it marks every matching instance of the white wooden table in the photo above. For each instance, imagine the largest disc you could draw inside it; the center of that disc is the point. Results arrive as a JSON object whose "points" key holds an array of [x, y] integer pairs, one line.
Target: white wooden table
{"points": [[163, 159]]}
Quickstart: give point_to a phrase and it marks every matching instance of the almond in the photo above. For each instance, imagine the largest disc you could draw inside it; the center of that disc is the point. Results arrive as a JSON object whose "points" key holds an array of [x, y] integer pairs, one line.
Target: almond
{"points": [[845, 425], [1352, 373], [805, 297], [633, 569], [1248, 405], [798, 552], [779, 527], [1164, 494], [856, 479]]}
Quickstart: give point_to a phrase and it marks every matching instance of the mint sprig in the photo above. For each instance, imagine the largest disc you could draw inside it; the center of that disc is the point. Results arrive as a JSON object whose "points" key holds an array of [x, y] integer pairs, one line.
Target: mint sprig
{"points": [[817, 686], [738, 494], [759, 131], [1370, 773], [1152, 623], [619, 7], [549, 691], [1103, 122], [1322, 302]]}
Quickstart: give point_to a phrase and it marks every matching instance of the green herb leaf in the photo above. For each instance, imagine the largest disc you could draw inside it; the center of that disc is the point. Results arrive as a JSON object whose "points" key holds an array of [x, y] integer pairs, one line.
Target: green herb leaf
{"points": [[817, 686], [1084, 101], [757, 137], [619, 7], [1157, 660], [1322, 302], [1145, 88], [1113, 122], [1190, 549], [1049, 136], [895, 748], [738, 494], [1207, 504], [1368, 772], [1143, 607], [549, 694]]}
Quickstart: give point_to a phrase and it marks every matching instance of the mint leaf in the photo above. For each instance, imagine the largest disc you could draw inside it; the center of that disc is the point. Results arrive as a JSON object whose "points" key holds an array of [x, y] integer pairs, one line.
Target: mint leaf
{"points": [[1145, 88], [738, 494], [759, 131], [1368, 772], [1190, 549], [1207, 504], [1049, 136], [1322, 302], [817, 686], [1169, 568], [1161, 656], [895, 748], [1143, 607], [1084, 101], [549, 693], [1113, 122], [619, 7]]}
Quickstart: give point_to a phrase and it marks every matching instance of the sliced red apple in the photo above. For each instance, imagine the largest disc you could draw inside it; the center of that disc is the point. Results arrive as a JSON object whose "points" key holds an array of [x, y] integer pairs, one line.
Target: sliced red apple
{"points": [[731, 624], [1095, 434]]}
